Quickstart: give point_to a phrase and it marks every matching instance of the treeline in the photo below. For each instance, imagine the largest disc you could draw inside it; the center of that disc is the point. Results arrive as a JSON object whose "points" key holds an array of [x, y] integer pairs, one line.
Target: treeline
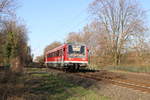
{"points": [[14, 49], [117, 34], [40, 59]]}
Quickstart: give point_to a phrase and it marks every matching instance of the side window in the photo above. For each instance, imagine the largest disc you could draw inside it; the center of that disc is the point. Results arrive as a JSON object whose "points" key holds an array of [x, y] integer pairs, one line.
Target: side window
{"points": [[60, 52], [53, 54], [48, 55], [57, 53], [70, 50], [82, 50]]}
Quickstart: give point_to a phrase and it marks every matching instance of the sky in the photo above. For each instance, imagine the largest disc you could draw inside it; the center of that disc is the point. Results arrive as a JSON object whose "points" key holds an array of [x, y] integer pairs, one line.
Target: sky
{"points": [[51, 20]]}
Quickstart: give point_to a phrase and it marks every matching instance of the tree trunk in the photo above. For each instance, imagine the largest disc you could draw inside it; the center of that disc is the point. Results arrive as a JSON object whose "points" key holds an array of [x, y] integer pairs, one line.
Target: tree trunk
{"points": [[16, 65], [117, 59]]}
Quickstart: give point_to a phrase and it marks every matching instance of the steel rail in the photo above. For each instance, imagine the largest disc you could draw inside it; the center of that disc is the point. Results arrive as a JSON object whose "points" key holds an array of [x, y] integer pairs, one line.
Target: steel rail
{"points": [[121, 82]]}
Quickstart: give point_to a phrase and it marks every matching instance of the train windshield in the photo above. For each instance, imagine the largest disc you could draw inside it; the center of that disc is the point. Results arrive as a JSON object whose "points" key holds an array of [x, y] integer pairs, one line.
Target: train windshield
{"points": [[76, 51]]}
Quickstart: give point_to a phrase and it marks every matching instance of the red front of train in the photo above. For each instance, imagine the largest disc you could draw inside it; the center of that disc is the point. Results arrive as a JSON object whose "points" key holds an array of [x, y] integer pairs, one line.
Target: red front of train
{"points": [[67, 56]]}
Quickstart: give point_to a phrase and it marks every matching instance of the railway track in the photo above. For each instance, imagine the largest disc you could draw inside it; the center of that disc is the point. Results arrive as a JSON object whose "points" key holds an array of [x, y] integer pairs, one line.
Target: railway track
{"points": [[140, 86], [113, 79]]}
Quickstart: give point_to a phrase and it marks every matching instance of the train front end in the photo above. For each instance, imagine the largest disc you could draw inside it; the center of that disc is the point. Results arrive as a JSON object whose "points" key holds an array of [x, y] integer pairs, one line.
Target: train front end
{"points": [[76, 56]]}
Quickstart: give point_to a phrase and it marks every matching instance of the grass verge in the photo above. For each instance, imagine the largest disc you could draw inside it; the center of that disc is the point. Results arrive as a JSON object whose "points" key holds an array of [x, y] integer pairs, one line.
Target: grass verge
{"points": [[43, 86], [143, 69]]}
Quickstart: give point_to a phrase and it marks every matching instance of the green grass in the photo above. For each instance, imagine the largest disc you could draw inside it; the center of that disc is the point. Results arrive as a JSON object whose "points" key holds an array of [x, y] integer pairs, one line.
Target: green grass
{"points": [[95, 67], [35, 69], [89, 95], [143, 69], [44, 86], [51, 87]]}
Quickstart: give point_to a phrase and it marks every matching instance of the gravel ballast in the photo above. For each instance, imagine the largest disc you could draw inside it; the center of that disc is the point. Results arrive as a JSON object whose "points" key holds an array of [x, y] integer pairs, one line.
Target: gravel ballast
{"points": [[106, 89]]}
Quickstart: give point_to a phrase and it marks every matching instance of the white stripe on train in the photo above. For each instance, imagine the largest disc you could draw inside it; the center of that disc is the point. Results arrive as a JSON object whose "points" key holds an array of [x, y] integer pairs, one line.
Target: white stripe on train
{"points": [[81, 62]]}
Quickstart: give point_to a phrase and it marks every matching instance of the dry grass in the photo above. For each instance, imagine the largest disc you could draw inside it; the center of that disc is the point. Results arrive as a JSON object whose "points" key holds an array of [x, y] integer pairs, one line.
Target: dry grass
{"points": [[10, 84], [41, 86], [142, 69]]}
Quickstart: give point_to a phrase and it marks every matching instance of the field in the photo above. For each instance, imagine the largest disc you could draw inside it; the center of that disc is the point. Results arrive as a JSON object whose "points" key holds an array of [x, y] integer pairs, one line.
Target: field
{"points": [[138, 69], [38, 85], [52, 84]]}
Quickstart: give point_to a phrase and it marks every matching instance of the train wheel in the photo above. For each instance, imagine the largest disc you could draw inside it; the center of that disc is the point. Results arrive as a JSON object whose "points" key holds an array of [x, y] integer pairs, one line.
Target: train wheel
{"points": [[67, 69], [72, 69], [76, 67]]}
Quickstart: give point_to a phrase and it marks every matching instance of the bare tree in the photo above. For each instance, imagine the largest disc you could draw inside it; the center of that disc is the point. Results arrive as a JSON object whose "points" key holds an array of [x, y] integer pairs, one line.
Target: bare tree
{"points": [[40, 59], [74, 37], [15, 47], [90, 36], [122, 22], [52, 46], [7, 8]]}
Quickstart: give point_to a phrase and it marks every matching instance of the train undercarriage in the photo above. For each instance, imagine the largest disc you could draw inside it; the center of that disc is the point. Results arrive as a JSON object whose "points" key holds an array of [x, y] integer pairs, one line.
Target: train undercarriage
{"points": [[71, 67]]}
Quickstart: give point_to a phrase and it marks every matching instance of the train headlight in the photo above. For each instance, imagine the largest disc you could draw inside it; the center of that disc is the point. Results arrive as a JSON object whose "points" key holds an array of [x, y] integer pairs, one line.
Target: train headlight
{"points": [[83, 58], [70, 59]]}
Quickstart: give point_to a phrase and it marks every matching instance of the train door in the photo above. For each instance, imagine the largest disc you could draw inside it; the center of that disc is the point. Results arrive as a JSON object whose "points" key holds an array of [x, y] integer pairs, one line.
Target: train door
{"points": [[62, 57]]}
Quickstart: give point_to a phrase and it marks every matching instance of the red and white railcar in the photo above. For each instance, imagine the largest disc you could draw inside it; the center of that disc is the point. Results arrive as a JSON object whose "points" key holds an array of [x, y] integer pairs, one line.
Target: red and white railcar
{"points": [[72, 56]]}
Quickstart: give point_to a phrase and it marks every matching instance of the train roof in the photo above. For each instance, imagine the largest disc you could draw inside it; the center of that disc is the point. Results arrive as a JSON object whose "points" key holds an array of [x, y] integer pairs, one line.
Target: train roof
{"points": [[57, 48], [75, 44], [63, 45]]}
